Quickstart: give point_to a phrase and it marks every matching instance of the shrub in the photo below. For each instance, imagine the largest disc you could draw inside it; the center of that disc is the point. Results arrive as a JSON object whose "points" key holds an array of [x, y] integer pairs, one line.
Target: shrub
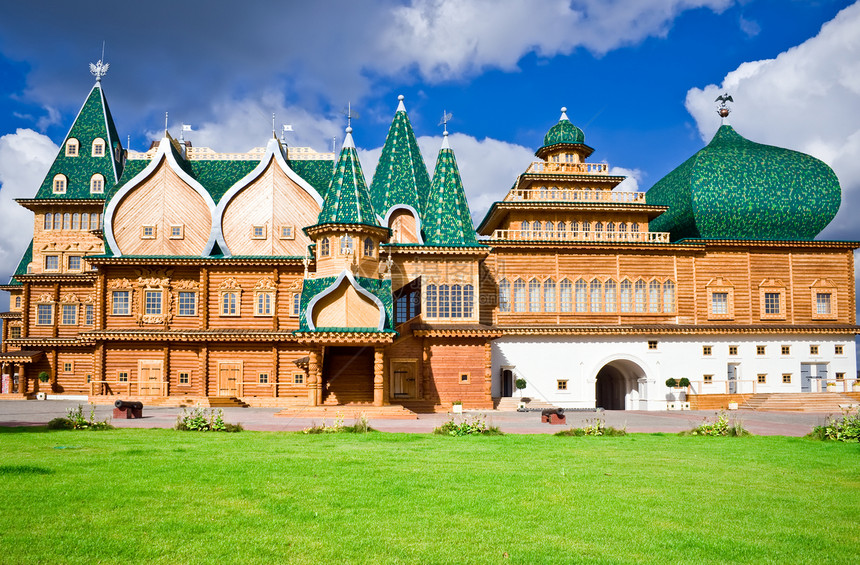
{"points": [[721, 427], [44, 376], [597, 428], [520, 384], [475, 425], [684, 382], [204, 420], [846, 428], [671, 383], [81, 422], [61, 424]]}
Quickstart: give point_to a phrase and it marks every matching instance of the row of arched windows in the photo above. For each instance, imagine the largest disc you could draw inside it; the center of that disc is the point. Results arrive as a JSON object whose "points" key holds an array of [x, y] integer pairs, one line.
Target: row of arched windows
{"points": [[549, 229], [449, 301], [581, 295], [76, 221], [97, 184], [346, 243]]}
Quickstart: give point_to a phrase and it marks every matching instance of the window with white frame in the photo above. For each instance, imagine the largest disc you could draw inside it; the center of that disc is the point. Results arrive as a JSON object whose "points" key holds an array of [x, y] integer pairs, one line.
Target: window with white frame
{"points": [[258, 231], [147, 232], [296, 308], [72, 147], [69, 315], [287, 232], [88, 314], [229, 303], [519, 295], [121, 302], [152, 302], [97, 184], [565, 295], [504, 295], [581, 288], [534, 295], [60, 182], [596, 295], [74, 262], [177, 231], [44, 314], [52, 262], [549, 295], [610, 296], [640, 295], [263, 303], [187, 303], [98, 147]]}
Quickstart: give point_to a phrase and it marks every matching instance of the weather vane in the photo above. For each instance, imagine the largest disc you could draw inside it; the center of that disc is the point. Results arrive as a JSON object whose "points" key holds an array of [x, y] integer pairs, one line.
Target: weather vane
{"points": [[446, 117], [100, 69], [724, 110]]}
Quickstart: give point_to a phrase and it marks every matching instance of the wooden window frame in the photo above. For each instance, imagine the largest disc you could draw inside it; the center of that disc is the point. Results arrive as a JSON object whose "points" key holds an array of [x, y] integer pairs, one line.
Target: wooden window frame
{"points": [[147, 292], [55, 269], [119, 376], [366, 247], [296, 305], [73, 147], [760, 350], [814, 350], [89, 314], [237, 297], [262, 229], [174, 228], [68, 366], [721, 286], [708, 379], [97, 184], [707, 350], [839, 349], [41, 306], [785, 350], [179, 381], [761, 378], [287, 231], [262, 294], [179, 304], [652, 345], [824, 286], [325, 247], [263, 378], [786, 378], [113, 295], [80, 266], [298, 378], [771, 287], [60, 184], [733, 350], [467, 380], [145, 235], [99, 147], [64, 306], [561, 385]]}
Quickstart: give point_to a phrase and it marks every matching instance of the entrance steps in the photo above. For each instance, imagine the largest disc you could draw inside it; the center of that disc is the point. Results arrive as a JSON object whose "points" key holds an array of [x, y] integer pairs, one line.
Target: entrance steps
{"points": [[174, 401], [509, 404], [799, 402], [350, 411]]}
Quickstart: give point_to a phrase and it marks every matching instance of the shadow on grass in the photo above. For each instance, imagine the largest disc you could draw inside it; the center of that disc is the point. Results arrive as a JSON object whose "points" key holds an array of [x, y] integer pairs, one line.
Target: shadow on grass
{"points": [[23, 470], [23, 429]]}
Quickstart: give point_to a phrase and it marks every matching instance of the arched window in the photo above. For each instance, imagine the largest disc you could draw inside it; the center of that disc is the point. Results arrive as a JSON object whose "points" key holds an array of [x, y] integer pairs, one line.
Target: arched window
{"points": [[574, 227], [49, 221], [549, 295], [622, 230], [431, 301], [58, 221], [596, 296], [654, 296], [610, 230], [536, 229], [456, 301], [444, 301], [98, 147], [581, 289], [468, 300], [85, 222], [524, 228], [562, 230], [609, 296], [519, 295], [76, 221], [67, 221], [598, 230], [504, 296], [534, 295], [641, 298], [59, 184], [95, 221], [586, 229], [368, 247], [325, 247], [626, 295], [72, 146], [669, 297], [97, 184], [549, 228], [634, 228], [565, 288], [345, 245]]}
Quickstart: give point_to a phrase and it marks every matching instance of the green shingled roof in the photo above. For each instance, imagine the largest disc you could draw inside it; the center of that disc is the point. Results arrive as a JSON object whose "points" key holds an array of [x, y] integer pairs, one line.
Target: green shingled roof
{"points": [[738, 189], [347, 200], [447, 219], [93, 121], [26, 258], [379, 288], [317, 172], [401, 175]]}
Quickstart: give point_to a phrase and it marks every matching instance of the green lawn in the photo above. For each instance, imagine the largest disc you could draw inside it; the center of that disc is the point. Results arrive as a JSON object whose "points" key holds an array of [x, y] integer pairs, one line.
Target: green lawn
{"points": [[161, 496]]}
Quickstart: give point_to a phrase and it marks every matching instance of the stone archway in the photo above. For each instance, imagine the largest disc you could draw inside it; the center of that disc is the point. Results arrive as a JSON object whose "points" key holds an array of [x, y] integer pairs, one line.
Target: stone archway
{"points": [[617, 385]]}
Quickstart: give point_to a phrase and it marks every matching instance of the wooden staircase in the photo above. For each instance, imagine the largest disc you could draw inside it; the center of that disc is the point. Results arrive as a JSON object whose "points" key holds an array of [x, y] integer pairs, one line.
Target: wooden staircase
{"points": [[799, 402]]}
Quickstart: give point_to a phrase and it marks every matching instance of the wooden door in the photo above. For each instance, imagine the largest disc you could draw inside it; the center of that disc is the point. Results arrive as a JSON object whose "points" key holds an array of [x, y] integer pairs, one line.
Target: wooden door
{"points": [[149, 377], [229, 375], [403, 379]]}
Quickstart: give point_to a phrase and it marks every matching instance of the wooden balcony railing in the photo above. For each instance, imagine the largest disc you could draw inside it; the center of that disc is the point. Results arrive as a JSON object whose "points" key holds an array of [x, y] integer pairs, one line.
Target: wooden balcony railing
{"points": [[556, 194], [544, 235], [571, 168]]}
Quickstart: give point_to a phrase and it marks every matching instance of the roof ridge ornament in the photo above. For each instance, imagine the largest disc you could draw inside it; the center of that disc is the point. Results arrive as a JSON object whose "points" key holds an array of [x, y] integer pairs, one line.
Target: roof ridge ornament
{"points": [[446, 117], [724, 110], [100, 68], [564, 114], [401, 107]]}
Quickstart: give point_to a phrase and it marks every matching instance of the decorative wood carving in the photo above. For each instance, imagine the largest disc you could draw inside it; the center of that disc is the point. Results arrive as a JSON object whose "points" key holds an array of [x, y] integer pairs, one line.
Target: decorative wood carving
{"points": [[69, 298], [265, 284], [229, 284]]}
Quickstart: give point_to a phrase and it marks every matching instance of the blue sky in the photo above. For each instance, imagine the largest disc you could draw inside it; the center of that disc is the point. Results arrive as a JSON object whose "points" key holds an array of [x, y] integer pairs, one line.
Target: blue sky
{"points": [[639, 76]]}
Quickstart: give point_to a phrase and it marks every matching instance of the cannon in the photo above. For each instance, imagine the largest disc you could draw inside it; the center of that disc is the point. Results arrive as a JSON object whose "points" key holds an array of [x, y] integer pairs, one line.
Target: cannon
{"points": [[553, 416], [127, 409]]}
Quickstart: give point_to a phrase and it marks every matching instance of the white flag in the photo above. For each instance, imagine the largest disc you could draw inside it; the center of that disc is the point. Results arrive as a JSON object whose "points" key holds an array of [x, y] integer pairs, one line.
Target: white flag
{"points": [[288, 127], [186, 127]]}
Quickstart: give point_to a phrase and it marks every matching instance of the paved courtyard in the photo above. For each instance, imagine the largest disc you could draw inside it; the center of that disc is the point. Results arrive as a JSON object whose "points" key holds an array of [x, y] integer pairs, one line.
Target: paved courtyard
{"points": [[36, 412]]}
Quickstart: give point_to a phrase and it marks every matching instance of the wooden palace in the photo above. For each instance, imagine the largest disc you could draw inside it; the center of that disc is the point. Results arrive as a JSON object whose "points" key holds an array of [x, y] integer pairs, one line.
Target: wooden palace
{"points": [[279, 277]]}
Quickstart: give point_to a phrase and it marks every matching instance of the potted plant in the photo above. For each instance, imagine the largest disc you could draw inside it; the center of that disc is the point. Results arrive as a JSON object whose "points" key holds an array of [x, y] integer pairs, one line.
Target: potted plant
{"points": [[671, 383], [457, 407], [831, 386], [44, 377], [684, 382]]}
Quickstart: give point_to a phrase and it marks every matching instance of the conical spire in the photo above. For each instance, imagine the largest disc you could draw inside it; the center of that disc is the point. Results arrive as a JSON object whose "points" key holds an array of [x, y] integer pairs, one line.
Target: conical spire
{"points": [[347, 200], [447, 218], [80, 164], [401, 175]]}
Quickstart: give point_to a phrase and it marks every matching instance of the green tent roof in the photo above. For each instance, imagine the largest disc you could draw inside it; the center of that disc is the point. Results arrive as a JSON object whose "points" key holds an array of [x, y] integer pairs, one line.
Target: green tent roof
{"points": [[93, 121], [347, 200], [447, 218], [738, 189], [401, 175], [26, 258]]}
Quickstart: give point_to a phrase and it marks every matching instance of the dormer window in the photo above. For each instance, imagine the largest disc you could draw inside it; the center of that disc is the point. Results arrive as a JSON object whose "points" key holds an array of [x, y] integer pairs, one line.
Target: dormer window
{"points": [[98, 147], [60, 184], [97, 184], [258, 232], [72, 146]]}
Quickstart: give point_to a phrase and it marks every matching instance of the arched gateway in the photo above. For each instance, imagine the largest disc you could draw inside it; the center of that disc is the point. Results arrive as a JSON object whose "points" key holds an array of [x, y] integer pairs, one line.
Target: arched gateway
{"points": [[616, 386]]}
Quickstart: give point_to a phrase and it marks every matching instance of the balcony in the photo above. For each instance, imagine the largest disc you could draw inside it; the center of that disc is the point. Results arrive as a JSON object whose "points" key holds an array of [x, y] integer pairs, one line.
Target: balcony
{"points": [[543, 167], [554, 194], [607, 236]]}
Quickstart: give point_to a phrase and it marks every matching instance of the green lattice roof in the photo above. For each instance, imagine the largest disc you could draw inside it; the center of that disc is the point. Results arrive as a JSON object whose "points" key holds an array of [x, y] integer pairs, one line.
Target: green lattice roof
{"points": [[317, 172], [734, 188], [347, 200], [379, 288], [447, 218], [93, 121], [401, 175], [26, 258]]}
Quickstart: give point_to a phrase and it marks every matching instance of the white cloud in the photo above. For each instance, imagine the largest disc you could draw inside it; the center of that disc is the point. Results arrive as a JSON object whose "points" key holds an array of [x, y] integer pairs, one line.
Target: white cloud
{"points": [[25, 157], [805, 99], [631, 183], [449, 39]]}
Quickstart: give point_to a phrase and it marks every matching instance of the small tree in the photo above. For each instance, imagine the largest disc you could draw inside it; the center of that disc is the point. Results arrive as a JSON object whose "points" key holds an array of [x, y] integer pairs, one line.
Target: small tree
{"points": [[671, 383], [44, 376], [684, 382], [520, 384]]}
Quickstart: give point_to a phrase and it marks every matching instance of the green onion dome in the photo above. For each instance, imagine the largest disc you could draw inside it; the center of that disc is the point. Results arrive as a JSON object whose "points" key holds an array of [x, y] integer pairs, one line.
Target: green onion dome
{"points": [[734, 188]]}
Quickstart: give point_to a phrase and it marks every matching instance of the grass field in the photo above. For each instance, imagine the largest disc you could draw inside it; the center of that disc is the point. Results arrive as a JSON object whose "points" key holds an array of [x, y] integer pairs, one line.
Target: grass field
{"points": [[161, 496]]}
